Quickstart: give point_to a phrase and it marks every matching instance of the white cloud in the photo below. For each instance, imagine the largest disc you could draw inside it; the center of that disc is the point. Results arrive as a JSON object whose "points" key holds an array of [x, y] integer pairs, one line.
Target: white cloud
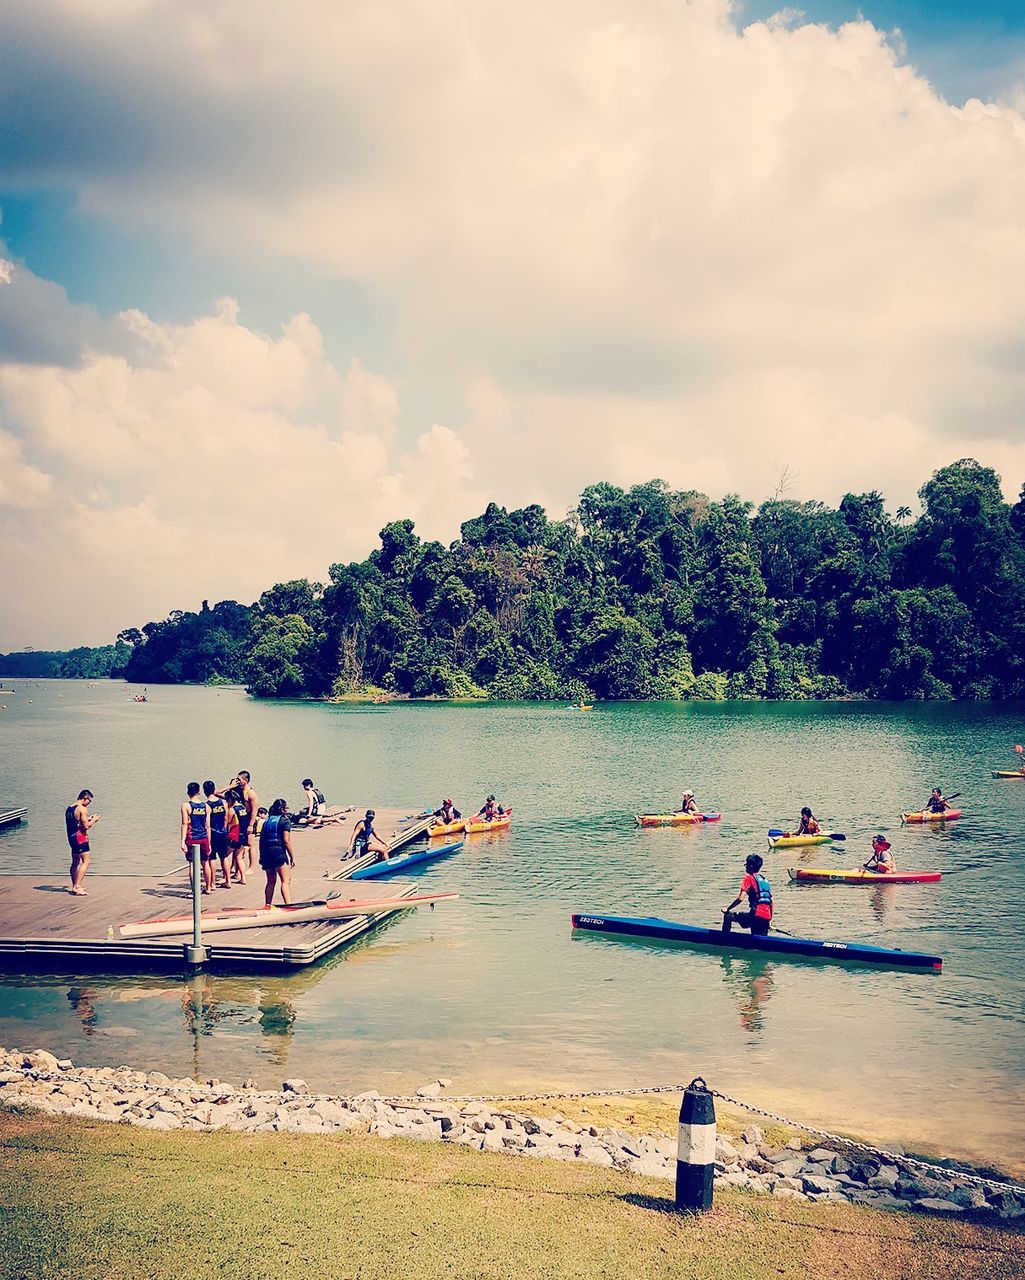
{"points": [[630, 240]]}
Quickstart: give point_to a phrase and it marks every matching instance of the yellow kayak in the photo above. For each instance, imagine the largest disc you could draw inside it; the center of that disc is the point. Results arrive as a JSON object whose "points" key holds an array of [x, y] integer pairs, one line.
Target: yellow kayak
{"points": [[790, 842], [448, 828], [497, 824], [673, 819]]}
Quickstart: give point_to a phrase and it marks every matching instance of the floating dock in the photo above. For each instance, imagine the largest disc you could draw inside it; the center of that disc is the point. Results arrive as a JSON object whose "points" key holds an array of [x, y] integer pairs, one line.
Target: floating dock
{"points": [[45, 928], [11, 815]]}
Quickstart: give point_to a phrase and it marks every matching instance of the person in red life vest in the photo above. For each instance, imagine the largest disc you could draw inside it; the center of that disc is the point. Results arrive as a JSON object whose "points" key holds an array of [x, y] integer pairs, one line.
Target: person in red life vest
{"points": [[882, 861], [756, 889]]}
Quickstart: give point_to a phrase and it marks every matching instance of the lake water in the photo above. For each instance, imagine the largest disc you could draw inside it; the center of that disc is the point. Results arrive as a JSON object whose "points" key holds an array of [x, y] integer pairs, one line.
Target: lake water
{"points": [[494, 990]]}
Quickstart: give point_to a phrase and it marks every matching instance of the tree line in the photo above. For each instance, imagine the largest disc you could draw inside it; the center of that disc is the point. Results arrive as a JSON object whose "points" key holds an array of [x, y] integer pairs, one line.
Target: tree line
{"points": [[646, 592]]}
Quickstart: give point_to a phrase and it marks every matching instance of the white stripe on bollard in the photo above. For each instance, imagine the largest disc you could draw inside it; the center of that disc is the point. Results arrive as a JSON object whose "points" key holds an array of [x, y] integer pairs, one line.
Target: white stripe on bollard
{"points": [[696, 1144]]}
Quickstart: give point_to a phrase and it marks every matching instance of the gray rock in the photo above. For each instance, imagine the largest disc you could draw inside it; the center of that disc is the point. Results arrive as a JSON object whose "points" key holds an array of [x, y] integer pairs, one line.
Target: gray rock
{"points": [[753, 1135], [820, 1155], [161, 1120], [920, 1188], [651, 1168], [250, 1083], [158, 1078], [787, 1193], [166, 1106], [1006, 1204], [813, 1182], [886, 1177], [40, 1060], [931, 1204], [295, 1086], [725, 1151], [840, 1164], [492, 1141], [969, 1196], [64, 1064], [432, 1090], [371, 1095], [883, 1201], [789, 1168]]}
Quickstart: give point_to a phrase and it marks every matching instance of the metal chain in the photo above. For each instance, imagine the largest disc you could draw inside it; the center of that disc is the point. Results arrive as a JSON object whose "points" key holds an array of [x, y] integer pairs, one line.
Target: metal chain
{"points": [[426, 1103]]}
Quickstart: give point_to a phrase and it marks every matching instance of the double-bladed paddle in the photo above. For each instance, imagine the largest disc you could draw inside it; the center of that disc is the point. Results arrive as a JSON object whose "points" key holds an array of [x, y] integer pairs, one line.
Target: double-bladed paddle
{"points": [[774, 834]]}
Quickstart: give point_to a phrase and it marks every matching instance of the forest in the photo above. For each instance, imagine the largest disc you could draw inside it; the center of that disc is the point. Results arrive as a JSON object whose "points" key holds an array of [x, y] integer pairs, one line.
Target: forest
{"points": [[643, 593]]}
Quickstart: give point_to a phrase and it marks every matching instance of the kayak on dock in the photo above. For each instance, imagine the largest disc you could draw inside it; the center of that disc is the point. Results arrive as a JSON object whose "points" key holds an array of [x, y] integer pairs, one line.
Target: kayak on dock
{"points": [[391, 866], [792, 842], [820, 875], [668, 931], [338, 908], [926, 815], [673, 819], [475, 827]]}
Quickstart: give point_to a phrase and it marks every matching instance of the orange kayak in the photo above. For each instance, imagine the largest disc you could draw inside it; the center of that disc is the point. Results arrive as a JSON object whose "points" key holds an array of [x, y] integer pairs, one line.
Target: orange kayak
{"points": [[475, 826], [927, 816], [448, 828]]}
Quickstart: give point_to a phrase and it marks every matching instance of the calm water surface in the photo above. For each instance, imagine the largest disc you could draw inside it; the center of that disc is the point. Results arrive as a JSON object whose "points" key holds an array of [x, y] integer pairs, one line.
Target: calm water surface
{"points": [[494, 990]]}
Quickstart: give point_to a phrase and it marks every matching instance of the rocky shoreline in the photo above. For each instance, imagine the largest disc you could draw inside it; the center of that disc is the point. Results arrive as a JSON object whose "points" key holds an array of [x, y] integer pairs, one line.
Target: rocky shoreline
{"points": [[829, 1172]]}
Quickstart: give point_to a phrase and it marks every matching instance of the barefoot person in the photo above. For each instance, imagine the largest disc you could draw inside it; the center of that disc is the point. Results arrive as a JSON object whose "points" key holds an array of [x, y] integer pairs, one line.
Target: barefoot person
{"points": [[195, 815], [78, 820], [754, 887], [276, 857], [365, 839], [236, 812], [218, 807]]}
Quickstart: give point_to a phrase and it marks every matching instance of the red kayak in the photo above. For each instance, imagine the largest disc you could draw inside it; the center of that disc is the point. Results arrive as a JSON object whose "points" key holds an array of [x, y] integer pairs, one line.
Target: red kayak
{"points": [[818, 875]]}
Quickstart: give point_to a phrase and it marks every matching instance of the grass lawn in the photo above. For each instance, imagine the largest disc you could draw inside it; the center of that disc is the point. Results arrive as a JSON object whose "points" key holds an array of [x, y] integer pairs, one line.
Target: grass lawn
{"points": [[84, 1199]]}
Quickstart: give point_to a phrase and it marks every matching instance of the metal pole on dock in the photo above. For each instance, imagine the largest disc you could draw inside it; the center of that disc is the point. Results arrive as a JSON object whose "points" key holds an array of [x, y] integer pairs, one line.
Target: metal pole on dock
{"points": [[195, 953]]}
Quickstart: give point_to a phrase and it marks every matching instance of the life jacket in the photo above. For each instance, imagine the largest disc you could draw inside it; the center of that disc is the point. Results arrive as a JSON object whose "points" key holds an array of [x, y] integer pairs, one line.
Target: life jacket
{"points": [[319, 794], [197, 819], [218, 812], [363, 837], [270, 834], [240, 811], [761, 901]]}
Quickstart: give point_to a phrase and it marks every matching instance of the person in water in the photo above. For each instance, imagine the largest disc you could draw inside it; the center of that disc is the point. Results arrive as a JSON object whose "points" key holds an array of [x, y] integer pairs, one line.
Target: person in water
{"points": [[365, 839], [490, 810], [687, 804], [276, 856], [77, 821], [195, 814], [809, 825], [936, 803], [755, 887], [447, 813], [882, 861], [218, 807]]}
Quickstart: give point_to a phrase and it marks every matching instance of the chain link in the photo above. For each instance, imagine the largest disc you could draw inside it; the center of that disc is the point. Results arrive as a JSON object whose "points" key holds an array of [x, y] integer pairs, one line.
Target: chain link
{"points": [[413, 1099]]}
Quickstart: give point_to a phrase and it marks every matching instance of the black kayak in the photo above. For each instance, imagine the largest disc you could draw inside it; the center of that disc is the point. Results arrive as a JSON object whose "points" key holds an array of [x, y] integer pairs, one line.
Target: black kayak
{"points": [[777, 944]]}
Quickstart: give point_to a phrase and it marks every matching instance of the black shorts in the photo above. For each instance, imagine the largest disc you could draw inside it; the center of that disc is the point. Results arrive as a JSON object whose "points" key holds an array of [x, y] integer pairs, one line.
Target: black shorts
{"points": [[77, 848], [271, 861], [219, 844], [758, 925], [243, 832]]}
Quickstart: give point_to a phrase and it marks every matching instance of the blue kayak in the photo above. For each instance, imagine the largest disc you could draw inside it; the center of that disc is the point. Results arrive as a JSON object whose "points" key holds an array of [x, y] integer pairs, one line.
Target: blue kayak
{"points": [[777, 944], [393, 866]]}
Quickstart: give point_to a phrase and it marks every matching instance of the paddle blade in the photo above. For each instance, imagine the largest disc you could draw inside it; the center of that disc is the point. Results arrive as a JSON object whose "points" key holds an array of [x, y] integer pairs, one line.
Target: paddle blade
{"points": [[775, 832], [837, 835]]}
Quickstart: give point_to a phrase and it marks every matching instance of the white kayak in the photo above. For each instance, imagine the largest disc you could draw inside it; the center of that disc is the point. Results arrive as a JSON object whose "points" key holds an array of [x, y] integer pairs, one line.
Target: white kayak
{"points": [[298, 913]]}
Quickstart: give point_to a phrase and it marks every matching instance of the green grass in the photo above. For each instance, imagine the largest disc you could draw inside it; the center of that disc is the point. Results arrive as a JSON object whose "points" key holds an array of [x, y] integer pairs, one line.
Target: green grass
{"points": [[85, 1200]]}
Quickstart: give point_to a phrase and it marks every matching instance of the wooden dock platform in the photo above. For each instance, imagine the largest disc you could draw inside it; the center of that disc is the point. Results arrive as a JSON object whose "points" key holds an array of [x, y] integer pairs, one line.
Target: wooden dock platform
{"points": [[43, 927]]}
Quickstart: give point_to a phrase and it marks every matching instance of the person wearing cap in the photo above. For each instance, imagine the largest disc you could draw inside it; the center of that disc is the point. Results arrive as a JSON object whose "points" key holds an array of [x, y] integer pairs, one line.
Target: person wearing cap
{"points": [[448, 812], [365, 839], [755, 887], [490, 810], [882, 861], [687, 804]]}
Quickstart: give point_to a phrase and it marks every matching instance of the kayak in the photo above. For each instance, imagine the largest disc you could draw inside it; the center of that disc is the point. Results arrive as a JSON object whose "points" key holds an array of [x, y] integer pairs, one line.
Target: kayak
{"points": [[448, 828], [673, 819], [390, 866], [475, 827], [776, 944], [296, 913], [927, 816], [818, 875], [792, 842], [1009, 773], [588, 707]]}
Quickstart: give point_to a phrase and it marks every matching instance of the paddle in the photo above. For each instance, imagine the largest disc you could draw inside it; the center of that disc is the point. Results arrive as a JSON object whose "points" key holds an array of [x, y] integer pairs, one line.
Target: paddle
{"points": [[774, 834]]}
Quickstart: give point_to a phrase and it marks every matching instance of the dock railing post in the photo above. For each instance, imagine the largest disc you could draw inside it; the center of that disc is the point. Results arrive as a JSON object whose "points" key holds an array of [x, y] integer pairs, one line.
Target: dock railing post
{"points": [[195, 952], [695, 1153]]}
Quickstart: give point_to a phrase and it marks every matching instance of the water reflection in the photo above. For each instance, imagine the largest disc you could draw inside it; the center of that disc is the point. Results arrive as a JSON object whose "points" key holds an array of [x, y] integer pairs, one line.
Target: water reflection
{"points": [[83, 1001], [750, 981]]}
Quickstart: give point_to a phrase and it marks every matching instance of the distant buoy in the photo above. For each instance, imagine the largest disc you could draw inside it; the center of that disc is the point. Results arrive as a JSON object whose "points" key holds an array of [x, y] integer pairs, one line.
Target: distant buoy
{"points": [[30, 702]]}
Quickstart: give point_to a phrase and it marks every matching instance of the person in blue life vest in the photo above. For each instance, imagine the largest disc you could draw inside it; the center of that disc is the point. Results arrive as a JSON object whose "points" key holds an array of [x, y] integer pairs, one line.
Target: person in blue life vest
{"points": [[366, 840], [218, 807], [755, 887], [276, 856], [195, 815]]}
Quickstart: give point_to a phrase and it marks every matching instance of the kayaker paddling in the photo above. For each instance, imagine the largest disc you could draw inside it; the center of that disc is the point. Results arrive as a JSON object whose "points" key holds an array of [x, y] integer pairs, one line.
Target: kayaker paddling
{"points": [[755, 887], [809, 824], [936, 802], [490, 810], [882, 861]]}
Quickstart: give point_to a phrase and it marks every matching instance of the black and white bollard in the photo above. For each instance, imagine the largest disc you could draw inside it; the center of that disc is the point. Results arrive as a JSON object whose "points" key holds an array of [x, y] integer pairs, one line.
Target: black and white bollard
{"points": [[695, 1152]]}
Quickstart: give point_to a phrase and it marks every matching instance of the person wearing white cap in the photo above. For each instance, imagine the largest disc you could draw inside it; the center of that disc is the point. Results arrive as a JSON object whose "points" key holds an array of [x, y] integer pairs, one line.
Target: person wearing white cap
{"points": [[687, 805]]}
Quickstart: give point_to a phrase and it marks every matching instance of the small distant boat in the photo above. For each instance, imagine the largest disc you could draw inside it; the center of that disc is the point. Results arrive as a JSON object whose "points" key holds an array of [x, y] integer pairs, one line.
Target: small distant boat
{"points": [[581, 706], [997, 773]]}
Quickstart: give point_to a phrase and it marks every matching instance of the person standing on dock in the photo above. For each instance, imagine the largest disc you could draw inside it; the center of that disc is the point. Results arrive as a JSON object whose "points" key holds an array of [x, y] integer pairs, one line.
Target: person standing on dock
{"points": [[195, 815], [252, 802], [78, 820], [755, 887], [218, 832], [235, 810], [276, 857]]}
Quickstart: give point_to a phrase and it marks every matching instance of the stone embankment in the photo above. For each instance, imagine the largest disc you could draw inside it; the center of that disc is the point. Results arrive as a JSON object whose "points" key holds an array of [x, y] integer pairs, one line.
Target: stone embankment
{"points": [[154, 1101]]}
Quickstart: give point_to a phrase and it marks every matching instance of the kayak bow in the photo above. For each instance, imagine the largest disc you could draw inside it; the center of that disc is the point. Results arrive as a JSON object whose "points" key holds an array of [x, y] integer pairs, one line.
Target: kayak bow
{"points": [[790, 842]]}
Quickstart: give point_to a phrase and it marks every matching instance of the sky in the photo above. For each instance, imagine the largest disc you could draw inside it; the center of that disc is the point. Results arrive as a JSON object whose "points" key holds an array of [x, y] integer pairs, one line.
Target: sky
{"points": [[273, 275]]}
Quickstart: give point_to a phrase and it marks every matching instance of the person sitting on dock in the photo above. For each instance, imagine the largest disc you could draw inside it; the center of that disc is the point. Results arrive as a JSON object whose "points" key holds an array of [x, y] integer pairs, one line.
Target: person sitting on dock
{"points": [[78, 820], [447, 813], [316, 815], [366, 840], [688, 804], [755, 887], [276, 856], [809, 824], [195, 815], [490, 810], [936, 803], [882, 861]]}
